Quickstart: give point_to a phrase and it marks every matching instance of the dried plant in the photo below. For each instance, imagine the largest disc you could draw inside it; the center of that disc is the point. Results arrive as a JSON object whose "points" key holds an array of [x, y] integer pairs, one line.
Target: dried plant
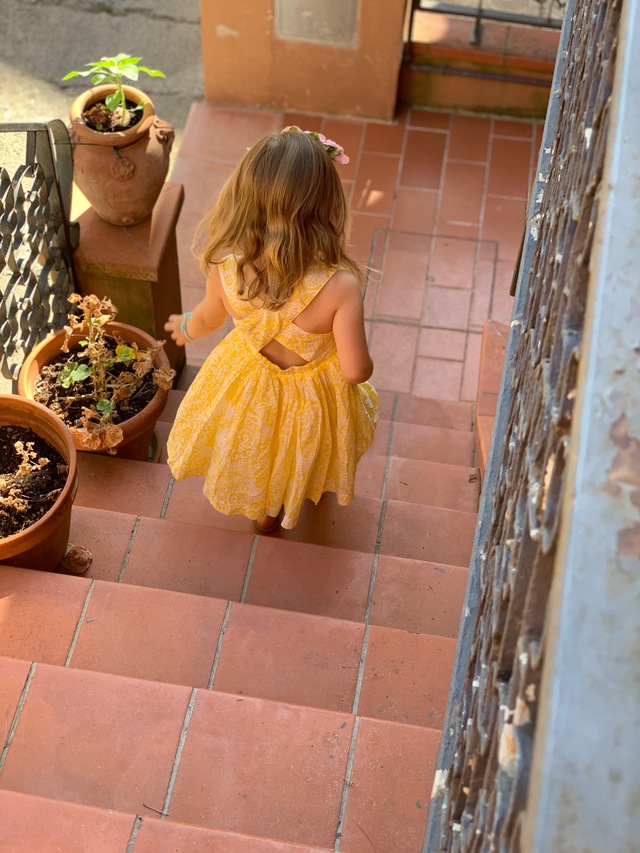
{"points": [[21, 488], [107, 372]]}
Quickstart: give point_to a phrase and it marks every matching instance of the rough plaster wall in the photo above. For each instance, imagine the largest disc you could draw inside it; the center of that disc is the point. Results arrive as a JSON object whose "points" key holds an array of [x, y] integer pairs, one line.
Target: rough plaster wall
{"points": [[41, 40]]}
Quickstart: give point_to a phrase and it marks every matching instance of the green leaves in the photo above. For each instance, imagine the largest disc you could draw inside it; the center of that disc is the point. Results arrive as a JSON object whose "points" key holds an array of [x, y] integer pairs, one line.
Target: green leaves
{"points": [[111, 69], [74, 372]]}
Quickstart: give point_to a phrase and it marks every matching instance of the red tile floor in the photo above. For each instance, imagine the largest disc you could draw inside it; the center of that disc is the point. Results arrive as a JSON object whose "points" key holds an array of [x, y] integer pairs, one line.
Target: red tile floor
{"points": [[203, 688]]}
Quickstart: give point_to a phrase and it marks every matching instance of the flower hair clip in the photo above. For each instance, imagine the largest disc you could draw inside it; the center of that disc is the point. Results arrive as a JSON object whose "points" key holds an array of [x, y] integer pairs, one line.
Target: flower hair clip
{"points": [[335, 151]]}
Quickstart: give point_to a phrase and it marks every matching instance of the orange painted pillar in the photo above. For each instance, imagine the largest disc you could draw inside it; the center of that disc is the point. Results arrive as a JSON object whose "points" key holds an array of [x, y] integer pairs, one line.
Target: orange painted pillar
{"points": [[342, 59]]}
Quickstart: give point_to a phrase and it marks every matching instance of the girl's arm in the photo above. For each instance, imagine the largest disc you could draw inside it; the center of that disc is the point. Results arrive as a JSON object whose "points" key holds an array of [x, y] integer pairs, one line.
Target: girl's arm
{"points": [[349, 332], [207, 316]]}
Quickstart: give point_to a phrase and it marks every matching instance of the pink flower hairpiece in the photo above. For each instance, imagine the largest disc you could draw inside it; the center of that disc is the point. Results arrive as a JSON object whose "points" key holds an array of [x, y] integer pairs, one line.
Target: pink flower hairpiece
{"points": [[335, 151]]}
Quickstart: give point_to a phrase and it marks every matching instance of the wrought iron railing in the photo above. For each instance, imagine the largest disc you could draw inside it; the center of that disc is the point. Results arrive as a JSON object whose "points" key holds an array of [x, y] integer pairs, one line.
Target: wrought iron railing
{"points": [[36, 271], [507, 657]]}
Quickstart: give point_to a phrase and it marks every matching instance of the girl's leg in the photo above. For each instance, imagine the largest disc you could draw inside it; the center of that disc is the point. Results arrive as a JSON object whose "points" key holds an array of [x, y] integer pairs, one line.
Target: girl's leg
{"points": [[266, 523]]}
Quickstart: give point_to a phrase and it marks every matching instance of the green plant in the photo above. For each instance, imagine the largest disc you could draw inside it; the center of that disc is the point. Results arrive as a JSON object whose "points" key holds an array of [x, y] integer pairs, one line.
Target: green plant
{"points": [[112, 69], [106, 374]]}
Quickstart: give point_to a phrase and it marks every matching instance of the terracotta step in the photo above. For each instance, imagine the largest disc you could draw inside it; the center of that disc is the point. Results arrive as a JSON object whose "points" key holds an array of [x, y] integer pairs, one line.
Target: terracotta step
{"points": [[432, 444], [413, 480], [216, 760], [437, 534], [428, 533], [34, 823], [408, 594], [245, 649]]}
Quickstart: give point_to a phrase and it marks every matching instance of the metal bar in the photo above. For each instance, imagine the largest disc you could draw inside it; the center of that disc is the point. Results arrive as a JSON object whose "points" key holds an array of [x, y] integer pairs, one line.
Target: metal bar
{"points": [[586, 774], [492, 15]]}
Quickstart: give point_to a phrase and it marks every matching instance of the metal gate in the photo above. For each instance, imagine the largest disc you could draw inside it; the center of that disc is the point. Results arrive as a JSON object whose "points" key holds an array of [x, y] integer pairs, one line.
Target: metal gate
{"points": [[36, 271], [541, 740]]}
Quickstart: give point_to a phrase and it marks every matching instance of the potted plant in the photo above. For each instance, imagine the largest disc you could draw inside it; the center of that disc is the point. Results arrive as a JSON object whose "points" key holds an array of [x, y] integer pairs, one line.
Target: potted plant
{"points": [[38, 483], [108, 381], [120, 147]]}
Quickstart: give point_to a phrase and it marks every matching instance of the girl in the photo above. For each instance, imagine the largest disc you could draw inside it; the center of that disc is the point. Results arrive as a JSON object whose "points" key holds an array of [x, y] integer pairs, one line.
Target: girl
{"points": [[281, 410]]}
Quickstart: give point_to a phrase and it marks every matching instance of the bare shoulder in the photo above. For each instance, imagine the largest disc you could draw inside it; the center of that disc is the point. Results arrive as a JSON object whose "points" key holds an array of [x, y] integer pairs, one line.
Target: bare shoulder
{"points": [[344, 286]]}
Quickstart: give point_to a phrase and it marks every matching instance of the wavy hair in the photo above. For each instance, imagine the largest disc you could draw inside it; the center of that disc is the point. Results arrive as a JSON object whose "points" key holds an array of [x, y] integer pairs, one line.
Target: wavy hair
{"points": [[282, 212]]}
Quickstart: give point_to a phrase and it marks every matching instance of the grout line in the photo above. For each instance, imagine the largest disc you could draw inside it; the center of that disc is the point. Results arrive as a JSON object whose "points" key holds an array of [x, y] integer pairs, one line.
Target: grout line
{"points": [[125, 561], [347, 784], [247, 577], [17, 714], [167, 496], [176, 761], [387, 237], [216, 657], [401, 162], [135, 829], [363, 654], [76, 633], [376, 560], [367, 629]]}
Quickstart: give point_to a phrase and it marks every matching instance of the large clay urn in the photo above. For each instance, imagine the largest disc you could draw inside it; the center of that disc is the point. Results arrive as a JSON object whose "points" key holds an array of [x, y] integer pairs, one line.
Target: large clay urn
{"points": [[137, 430], [44, 543], [120, 173]]}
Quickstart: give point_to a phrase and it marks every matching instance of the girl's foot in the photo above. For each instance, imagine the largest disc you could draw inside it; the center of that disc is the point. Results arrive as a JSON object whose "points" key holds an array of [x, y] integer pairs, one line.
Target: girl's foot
{"points": [[266, 524]]}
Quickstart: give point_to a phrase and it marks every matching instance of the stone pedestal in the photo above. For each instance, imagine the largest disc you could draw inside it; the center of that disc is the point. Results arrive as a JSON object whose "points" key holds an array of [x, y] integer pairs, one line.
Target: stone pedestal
{"points": [[135, 267]]}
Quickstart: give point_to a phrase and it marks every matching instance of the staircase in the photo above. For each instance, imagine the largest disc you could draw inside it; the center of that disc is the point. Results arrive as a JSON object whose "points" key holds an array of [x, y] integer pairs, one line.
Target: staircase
{"points": [[204, 688]]}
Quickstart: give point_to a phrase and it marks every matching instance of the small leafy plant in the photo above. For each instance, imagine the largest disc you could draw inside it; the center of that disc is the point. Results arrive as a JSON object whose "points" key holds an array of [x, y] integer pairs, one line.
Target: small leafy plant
{"points": [[105, 375], [113, 69]]}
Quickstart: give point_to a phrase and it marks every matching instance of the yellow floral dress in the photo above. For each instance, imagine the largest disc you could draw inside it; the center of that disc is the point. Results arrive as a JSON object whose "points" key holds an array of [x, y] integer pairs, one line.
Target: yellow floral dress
{"points": [[265, 438]]}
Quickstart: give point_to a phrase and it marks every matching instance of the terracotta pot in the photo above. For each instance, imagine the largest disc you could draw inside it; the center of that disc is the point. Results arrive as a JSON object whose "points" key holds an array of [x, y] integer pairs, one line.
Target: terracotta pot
{"points": [[42, 545], [121, 173], [138, 430]]}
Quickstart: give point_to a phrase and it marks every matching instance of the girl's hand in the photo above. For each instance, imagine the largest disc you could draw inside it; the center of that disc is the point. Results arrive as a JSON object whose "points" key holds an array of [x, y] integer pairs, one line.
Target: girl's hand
{"points": [[173, 326]]}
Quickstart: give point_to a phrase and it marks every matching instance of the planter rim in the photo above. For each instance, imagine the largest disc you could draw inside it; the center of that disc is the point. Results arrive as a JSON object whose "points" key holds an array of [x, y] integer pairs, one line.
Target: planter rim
{"points": [[116, 138], [13, 543]]}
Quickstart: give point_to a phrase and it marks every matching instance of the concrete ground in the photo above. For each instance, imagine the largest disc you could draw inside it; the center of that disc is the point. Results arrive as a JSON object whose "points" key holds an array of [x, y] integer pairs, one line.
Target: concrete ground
{"points": [[41, 40]]}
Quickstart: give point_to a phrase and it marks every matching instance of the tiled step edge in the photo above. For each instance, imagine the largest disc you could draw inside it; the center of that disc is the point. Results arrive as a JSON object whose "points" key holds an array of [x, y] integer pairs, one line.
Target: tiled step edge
{"points": [[33, 823], [224, 762], [440, 534], [412, 595], [240, 649]]}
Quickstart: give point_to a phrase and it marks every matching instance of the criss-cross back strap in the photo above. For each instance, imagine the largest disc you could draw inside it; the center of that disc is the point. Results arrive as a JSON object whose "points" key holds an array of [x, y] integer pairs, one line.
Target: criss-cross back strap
{"points": [[259, 325]]}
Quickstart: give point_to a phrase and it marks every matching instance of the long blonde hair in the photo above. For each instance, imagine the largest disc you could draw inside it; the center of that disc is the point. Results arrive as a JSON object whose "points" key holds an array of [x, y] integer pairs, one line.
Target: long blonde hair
{"points": [[282, 212]]}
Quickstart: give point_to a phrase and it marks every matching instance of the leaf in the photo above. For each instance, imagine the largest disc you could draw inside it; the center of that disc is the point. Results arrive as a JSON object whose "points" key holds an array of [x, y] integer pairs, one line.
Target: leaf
{"points": [[74, 372], [152, 72], [112, 101], [105, 407], [125, 353], [130, 71]]}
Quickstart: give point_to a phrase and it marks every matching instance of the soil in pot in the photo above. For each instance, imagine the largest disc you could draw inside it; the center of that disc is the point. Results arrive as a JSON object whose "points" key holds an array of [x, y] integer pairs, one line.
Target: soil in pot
{"points": [[99, 117], [32, 476], [69, 403]]}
